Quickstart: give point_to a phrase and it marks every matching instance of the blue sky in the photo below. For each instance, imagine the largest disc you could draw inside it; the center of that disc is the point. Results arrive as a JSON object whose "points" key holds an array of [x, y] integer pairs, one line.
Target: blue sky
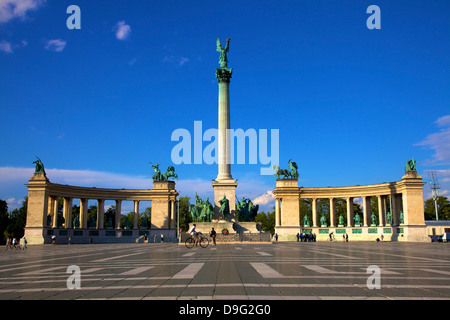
{"points": [[352, 105]]}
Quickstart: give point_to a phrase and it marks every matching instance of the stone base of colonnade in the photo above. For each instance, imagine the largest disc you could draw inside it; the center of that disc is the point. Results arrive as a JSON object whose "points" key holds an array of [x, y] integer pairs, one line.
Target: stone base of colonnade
{"points": [[84, 236], [399, 233]]}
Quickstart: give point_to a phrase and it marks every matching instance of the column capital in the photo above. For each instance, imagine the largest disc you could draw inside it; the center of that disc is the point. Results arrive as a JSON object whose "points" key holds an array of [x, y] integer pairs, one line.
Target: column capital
{"points": [[224, 75]]}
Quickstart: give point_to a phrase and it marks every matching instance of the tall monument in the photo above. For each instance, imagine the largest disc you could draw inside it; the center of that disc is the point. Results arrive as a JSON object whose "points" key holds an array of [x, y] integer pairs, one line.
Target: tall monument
{"points": [[224, 184]]}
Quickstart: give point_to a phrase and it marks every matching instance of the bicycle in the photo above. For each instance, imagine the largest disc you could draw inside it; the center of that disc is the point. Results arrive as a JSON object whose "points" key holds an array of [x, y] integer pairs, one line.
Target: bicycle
{"points": [[203, 241], [331, 238]]}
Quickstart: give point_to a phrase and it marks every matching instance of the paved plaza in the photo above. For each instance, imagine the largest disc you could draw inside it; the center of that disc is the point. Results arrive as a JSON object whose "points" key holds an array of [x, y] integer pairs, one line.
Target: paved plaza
{"points": [[320, 270]]}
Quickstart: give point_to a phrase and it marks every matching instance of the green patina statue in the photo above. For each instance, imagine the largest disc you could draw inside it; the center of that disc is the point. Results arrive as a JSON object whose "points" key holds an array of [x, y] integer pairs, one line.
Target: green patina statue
{"points": [[389, 219], [357, 220], [374, 219], [224, 208], [158, 176], [306, 221], [341, 220], [39, 166], [246, 210], [323, 221], [411, 165], [202, 211], [290, 173], [76, 222], [223, 60]]}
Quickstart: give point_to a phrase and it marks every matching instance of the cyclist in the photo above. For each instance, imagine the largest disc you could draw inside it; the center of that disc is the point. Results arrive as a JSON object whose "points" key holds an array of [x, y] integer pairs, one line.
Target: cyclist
{"points": [[194, 234]]}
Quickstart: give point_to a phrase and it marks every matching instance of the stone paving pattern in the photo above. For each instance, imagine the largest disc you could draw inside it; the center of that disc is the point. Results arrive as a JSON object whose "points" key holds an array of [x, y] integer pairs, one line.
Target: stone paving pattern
{"points": [[319, 270]]}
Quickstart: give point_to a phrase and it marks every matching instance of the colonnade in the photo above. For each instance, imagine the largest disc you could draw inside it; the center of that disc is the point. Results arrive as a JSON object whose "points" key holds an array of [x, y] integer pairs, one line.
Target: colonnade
{"points": [[43, 201], [406, 211], [68, 219], [366, 219]]}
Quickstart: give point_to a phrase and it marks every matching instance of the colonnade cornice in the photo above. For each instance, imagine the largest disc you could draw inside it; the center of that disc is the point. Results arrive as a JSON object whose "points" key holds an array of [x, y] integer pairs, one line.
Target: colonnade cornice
{"points": [[77, 192]]}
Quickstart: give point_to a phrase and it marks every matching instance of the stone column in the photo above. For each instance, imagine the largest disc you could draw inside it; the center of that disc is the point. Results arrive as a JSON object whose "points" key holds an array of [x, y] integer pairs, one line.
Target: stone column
{"points": [[380, 210], [172, 214], [223, 76], [136, 214], [118, 214], [55, 212], [67, 210], [366, 209], [277, 212], [100, 213], [396, 208], [349, 211], [224, 184], [332, 213], [83, 213], [314, 212]]}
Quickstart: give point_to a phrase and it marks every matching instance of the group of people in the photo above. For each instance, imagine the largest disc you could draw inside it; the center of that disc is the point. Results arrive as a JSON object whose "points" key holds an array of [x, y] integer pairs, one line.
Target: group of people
{"points": [[306, 237], [194, 234], [14, 243]]}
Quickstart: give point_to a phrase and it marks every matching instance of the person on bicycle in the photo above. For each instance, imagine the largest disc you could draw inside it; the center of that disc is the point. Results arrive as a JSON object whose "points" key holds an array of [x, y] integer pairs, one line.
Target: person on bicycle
{"points": [[194, 234]]}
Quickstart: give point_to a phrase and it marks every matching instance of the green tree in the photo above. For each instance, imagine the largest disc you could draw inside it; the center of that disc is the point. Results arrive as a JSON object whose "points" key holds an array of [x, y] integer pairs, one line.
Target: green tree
{"points": [[17, 221], [305, 209], [267, 220], [123, 217], [147, 214], [110, 214], [91, 216], [443, 208], [4, 220], [185, 216]]}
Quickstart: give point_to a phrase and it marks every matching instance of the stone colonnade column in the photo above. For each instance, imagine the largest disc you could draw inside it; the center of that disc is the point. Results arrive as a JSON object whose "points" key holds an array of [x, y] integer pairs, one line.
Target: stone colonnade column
{"points": [[381, 210], [100, 213], [67, 212], [83, 213], [136, 214], [366, 209], [55, 212], [118, 213], [172, 214], [314, 212], [349, 211], [332, 213], [277, 212]]}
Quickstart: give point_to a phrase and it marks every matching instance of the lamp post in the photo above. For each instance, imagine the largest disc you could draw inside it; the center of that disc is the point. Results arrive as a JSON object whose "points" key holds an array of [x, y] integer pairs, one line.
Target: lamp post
{"points": [[178, 221]]}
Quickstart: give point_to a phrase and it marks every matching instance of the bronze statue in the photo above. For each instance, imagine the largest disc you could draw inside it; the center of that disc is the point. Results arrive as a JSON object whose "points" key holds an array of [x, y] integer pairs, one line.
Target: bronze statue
{"points": [[224, 208], [411, 165], [223, 60], [39, 166]]}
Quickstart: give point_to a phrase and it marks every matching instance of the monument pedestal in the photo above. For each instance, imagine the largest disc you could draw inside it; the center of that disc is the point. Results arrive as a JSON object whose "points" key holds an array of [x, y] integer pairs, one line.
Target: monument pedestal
{"points": [[227, 188]]}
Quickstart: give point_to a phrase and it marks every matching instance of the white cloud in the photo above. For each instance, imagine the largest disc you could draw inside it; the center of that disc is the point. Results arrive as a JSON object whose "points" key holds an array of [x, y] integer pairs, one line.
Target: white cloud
{"points": [[57, 45], [9, 47], [11, 9], [122, 30], [183, 60], [265, 198], [175, 60], [6, 46], [439, 141]]}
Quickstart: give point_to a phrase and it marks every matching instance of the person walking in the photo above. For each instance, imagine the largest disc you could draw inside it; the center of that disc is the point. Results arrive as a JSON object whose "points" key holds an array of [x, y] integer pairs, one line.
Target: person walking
{"points": [[212, 234], [24, 243], [154, 238], [162, 238], [8, 244]]}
